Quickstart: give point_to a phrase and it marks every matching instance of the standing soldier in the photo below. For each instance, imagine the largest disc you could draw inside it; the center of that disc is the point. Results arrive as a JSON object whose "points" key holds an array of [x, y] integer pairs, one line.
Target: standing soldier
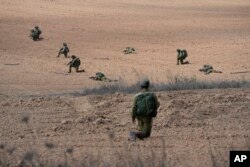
{"points": [[75, 62], [181, 55], [64, 50], [145, 107]]}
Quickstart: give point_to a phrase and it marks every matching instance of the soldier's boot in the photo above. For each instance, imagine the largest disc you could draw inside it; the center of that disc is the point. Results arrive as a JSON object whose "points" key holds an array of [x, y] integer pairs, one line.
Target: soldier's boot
{"points": [[141, 135], [132, 136]]}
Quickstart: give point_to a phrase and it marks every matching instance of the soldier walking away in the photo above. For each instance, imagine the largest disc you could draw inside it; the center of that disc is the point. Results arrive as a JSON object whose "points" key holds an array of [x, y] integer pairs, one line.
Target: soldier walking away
{"points": [[144, 109], [181, 55], [75, 62], [64, 50]]}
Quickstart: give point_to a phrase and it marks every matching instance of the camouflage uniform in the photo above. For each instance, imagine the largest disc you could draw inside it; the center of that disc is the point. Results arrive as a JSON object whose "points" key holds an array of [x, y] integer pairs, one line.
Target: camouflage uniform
{"points": [[144, 123], [64, 50], [100, 76], [181, 56], [207, 69], [75, 62], [129, 50], [37, 29], [34, 35]]}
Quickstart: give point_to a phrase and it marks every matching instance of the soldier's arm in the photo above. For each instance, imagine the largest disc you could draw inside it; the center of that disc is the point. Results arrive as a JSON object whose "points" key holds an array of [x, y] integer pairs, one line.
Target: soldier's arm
{"points": [[70, 63], [157, 102], [134, 108]]}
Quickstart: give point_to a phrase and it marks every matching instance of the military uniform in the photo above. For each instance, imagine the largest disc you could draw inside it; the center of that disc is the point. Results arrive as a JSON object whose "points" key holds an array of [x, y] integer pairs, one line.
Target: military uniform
{"points": [[75, 62], [34, 35], [207, 69], [64, 50], [129, 50], [144, 122], [37, 29], [181, 55]]}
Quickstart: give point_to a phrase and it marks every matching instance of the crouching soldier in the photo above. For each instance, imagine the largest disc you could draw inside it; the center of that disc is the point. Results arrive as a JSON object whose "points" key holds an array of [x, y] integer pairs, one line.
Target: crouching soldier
{"points": [[64, 50], [34, 35], [181, 55], [75, 62], [145, 107]]}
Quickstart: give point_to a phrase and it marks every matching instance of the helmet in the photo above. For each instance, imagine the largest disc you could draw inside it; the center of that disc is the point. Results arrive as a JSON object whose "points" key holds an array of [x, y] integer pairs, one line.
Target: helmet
{"points": [[178, 50], [73, 56], [145, 83], [36, 27], [64, 44]]}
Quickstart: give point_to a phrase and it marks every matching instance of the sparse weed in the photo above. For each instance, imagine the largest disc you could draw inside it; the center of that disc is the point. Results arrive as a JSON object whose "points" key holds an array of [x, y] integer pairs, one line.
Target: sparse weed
{"points": [[173, 83]]}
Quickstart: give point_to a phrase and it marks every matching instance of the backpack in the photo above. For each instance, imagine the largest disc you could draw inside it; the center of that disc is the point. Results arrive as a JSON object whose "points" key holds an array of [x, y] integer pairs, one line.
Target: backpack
{"points": [[77, 62], [184, 53], [146, 105], [99, 75]]}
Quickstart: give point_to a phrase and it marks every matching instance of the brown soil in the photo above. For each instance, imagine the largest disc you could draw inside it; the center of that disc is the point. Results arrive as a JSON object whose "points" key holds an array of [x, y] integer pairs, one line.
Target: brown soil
{"points": [[193, 124]]}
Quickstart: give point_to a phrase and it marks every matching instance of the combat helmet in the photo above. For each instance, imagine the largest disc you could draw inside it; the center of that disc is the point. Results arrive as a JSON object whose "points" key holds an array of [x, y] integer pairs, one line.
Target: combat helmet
{"points": [[36, 27], [145, 83], [73, 56], [178, 50], [64, 44]]}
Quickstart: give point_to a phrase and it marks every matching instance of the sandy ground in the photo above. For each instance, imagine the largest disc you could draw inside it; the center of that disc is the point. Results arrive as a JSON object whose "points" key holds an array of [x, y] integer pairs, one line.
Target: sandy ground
{"points": [[210, 123], [193, 128], [214, 32]]}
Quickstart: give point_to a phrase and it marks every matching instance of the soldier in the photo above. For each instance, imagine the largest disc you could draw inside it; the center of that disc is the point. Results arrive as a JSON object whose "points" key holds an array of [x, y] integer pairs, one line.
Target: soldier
{"points": [[129, 50], [182, 54], [37, 29], [64, 50], [75, 62], [34, 35], [207, 69], [145, 107]]}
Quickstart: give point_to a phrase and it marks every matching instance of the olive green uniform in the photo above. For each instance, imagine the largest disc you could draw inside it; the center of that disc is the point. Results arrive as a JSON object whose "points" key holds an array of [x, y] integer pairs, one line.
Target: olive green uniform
{"points": [[144, 123], [34, 35], [181, 55], [74, 63], [64, 50]]}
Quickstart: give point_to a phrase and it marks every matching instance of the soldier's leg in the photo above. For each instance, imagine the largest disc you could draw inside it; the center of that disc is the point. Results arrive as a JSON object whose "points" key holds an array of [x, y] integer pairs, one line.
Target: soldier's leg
{"points": [[145, 126], [70, 69], [181, 60], [65, 54], [186, 62], [77, 68]]}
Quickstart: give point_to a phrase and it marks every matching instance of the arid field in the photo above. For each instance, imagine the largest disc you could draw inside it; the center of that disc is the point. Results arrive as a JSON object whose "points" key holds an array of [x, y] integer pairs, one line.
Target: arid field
{"points": [[40, 109]]}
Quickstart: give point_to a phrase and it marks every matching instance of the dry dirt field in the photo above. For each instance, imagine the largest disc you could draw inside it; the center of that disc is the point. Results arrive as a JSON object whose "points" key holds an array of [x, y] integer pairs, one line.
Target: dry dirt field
{"points": [[193, 128]]}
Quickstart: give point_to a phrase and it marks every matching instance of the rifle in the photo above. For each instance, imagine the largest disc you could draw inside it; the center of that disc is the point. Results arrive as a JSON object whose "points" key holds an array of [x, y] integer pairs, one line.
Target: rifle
{"points": [[59, 52]]}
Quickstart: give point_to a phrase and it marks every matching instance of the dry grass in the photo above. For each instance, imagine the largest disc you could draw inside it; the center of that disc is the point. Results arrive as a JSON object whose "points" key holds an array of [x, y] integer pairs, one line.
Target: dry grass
{"points": [[173, 83]]}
